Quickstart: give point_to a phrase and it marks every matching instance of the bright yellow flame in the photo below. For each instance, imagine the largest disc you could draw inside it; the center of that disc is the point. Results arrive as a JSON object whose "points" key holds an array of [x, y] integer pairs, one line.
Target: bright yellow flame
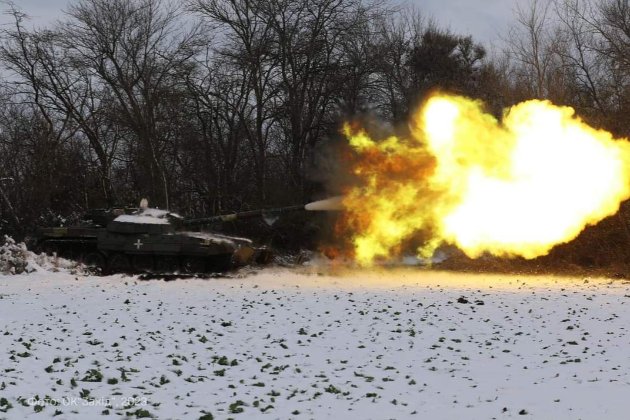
{"points": [[515, 188]]}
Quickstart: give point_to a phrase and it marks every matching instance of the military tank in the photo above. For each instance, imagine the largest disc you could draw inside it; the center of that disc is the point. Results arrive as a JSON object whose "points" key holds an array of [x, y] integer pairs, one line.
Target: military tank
{"points": [[149, 240]]}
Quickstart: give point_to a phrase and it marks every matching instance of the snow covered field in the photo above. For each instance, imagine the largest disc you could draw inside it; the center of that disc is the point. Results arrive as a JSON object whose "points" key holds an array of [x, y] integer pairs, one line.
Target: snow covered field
{"points": [[292, 344]]}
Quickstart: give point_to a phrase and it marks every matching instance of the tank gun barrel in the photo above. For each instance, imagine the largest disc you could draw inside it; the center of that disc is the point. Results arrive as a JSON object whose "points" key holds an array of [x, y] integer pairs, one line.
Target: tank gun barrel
{"points": [[274, 212]]}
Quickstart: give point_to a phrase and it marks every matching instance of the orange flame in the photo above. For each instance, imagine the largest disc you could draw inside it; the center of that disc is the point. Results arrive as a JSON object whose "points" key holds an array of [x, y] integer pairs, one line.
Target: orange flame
{"points": [[515, 188]]}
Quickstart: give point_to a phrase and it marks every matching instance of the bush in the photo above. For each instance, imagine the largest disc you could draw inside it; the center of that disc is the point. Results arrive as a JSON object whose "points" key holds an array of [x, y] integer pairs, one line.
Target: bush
{"points": [[14, 257]]}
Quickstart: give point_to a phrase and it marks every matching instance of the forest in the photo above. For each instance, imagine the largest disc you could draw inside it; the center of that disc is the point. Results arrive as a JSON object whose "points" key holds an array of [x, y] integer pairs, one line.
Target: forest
{"points": [[213, 106]]}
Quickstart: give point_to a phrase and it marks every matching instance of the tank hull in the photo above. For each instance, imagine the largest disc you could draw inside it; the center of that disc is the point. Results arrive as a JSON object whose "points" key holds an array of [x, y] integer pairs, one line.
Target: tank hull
{"points": [[164, 251]]}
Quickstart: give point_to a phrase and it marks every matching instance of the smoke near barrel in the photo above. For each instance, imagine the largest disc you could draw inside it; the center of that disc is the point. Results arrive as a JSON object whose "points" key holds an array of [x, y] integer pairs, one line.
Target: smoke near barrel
{"points": [[515, 187], [329, 204]]}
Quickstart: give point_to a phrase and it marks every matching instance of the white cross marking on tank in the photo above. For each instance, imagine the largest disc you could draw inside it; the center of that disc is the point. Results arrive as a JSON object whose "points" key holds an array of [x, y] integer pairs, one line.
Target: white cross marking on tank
{"points": [[138, 244]]}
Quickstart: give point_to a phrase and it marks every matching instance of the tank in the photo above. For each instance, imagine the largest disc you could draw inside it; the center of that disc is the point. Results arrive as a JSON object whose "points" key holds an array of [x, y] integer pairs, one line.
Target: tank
{"points": [[146, 240]]}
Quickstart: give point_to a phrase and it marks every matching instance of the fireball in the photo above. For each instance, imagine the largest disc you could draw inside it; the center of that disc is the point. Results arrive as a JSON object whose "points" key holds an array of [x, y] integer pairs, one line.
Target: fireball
{"points": [[515, 187]]}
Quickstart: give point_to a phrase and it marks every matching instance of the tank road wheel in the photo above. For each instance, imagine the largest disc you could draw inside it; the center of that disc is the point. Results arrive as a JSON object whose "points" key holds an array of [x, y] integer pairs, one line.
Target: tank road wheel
{"points": [[193, 265], [142, 263], [166, 264], [220, 263], [243, 255], [118, 263], [95, 261], [264, 256]]}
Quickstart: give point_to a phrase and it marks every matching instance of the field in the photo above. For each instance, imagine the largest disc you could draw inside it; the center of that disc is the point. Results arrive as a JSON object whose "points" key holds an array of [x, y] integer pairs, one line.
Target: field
{"points": [[282, 343]]}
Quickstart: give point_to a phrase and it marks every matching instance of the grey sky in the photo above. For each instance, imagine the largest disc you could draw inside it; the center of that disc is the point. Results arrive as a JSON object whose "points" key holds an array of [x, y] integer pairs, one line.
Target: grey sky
{"points": [[486, 20]]}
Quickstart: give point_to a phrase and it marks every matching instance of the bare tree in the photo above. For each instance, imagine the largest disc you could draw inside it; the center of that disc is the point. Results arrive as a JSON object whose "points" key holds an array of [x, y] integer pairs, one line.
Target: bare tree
{"points": [[307, 40], [219, 97], [248, 48], [45, 69], [417, 57], [20, 53], [611, 23], [136, 49], [533, 44], [356, 85], [397, 36], [588, 69]]}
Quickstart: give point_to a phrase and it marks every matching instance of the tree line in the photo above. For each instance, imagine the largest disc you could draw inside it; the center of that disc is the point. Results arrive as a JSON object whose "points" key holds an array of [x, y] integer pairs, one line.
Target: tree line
{"points": [[213, 106]]}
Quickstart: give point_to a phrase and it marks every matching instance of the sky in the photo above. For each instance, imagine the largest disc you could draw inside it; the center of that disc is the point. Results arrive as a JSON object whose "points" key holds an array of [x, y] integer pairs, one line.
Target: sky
{"points": [[485, 20]]}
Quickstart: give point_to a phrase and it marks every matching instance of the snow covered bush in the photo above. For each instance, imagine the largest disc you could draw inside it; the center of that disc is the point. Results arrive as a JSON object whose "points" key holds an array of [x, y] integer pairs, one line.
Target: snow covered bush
{"points": [[15, 258]]}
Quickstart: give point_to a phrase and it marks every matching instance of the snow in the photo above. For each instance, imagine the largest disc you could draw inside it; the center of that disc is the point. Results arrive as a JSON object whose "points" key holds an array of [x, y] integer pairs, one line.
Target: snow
{"points": [[148, 216], [216, 238], [303, 343], [134, 218]]}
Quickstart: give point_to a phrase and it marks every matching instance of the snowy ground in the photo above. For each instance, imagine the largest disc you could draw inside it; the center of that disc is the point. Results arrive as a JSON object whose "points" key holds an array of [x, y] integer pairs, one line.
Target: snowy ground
{"points": [[289, 344]]}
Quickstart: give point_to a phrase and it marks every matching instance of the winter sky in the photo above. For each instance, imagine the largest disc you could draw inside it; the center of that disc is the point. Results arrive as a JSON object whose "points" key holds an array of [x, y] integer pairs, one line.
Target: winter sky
{"points": [[485, 20]]}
